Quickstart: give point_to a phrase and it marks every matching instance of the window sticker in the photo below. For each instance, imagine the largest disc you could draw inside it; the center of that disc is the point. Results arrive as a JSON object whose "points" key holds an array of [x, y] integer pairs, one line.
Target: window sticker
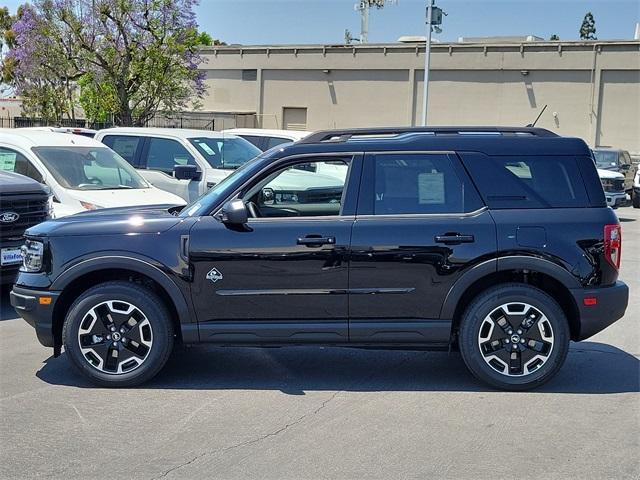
{"points": [[8, 161], [431, 188], [206, 148]]}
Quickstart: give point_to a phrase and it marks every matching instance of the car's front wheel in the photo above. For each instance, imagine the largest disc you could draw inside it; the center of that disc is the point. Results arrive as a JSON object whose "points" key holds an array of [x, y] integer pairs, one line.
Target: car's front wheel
{"points": [[119, 334], [514, 337]]}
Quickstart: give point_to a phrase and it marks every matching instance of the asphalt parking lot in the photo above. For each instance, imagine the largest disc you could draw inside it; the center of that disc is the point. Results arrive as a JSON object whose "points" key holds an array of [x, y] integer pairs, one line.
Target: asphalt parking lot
{"points": [[325, 412]]}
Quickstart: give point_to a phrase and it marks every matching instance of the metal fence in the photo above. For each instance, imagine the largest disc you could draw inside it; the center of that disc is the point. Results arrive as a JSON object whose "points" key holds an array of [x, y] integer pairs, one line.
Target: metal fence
{"points": [[198, 123]]}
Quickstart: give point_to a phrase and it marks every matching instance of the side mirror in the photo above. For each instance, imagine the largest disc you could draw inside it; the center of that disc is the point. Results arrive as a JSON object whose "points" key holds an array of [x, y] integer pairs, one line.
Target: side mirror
{"points": [[186, 172], [234, 213]]}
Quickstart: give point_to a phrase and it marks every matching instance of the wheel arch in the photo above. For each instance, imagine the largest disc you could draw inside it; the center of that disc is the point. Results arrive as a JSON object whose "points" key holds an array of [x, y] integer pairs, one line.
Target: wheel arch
{"points": [[541, 273], [90, 272]]}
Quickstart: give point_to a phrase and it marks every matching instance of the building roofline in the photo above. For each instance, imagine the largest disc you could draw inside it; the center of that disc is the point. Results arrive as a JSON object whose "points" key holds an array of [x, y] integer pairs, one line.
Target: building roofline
{"points": [[404, 46]]}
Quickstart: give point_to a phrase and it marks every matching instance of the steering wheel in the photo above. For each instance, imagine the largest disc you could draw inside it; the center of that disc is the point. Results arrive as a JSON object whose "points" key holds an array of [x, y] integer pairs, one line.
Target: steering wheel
{"points": [[253, 210], [95, 181]]}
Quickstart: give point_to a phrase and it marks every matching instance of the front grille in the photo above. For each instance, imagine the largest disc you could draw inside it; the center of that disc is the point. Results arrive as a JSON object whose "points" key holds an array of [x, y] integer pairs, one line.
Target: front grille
{"points": [[33, 209], [617, 185]]}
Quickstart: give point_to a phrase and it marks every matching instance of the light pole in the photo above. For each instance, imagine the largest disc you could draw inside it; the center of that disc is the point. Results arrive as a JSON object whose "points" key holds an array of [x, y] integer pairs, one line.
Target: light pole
{"points": [[434, 19]]}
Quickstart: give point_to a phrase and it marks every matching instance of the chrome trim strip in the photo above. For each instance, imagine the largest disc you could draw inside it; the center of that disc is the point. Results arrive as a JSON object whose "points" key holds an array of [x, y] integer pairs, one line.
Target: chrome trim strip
{"points": [[313, 291], [405, 216]]}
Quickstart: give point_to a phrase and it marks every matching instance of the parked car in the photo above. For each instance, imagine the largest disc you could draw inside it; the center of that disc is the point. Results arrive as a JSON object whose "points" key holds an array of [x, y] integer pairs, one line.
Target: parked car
{"points": [[617, 161], [636, 190], [440, 238], [266, 139], [613, 186], [184, 162], [23, 204], [83, 174]]}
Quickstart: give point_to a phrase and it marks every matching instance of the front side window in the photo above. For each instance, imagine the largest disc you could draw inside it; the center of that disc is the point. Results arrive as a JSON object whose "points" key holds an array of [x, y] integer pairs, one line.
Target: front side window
{"points": [[164, 154], [12, 161], [225, 153], [416, 184], [89, 168], [306, 189]]}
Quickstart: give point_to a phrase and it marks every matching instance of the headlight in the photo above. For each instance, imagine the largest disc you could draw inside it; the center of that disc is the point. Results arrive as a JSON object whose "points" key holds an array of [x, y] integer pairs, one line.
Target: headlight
{"points": [[32, 254], [607, 184]]}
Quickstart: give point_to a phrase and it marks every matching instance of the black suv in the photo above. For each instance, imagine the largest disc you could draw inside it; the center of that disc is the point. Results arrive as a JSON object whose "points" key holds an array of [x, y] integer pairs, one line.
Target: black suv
{"points": [[23, 204], [494, 241]]}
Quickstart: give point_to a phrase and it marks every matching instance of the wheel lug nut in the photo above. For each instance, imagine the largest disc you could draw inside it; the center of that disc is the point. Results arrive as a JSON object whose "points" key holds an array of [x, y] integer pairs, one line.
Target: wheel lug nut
{"points": [[113, 329], [522, 340], [519, 332], [515, 346], [122, 330], [506, 340], [510, 332], [108, 337]]}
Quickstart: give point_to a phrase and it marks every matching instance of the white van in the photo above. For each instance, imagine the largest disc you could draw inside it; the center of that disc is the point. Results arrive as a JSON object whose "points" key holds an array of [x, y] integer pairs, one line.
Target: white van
{"points": [[184, 162], [82, 173]]}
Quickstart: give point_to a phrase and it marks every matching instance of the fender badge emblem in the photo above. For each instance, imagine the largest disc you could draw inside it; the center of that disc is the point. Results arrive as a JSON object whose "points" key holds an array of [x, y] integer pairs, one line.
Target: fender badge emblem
{"points": [[214, 275]]}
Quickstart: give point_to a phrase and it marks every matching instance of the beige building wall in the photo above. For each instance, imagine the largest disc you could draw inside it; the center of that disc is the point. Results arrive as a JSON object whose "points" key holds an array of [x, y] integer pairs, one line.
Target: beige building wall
{"points": [[591, 89]]}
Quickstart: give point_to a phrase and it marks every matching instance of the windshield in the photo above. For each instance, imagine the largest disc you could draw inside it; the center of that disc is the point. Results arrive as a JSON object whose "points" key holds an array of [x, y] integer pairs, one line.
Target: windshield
{"points": [[225, 153], [89, 168], [605, 159]]}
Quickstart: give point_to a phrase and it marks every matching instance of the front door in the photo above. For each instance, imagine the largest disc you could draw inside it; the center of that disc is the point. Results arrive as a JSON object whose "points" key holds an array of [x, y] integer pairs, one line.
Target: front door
{"points": [[420, 223], [284, 277]]}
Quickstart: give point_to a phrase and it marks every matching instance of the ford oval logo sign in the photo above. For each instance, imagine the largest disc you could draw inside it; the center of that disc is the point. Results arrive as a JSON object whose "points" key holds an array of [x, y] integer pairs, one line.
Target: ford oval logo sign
{"points": [[9, 217]]}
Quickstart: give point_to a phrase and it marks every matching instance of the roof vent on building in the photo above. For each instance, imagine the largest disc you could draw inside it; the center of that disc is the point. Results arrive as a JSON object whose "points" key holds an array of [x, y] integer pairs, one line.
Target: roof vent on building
{"points": [[416, 39], [506, 39]]}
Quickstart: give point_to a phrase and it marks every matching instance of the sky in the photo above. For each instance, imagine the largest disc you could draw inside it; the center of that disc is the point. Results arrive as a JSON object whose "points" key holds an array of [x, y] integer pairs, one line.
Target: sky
{"points": [[252, 22]]}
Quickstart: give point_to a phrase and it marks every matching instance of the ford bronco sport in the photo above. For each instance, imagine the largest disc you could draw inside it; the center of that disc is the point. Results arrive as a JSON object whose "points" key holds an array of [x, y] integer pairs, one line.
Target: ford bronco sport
{"points": [[494, 241]]}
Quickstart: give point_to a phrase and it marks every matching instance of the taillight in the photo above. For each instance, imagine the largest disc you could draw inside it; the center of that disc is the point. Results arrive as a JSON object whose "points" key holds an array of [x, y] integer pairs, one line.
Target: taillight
{"points": [[613, 244]]}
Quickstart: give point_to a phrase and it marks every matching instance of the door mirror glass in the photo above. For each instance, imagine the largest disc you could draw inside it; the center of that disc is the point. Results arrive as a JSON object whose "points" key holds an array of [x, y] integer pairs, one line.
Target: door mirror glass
{"points": [[234, 213], [186, 172]]}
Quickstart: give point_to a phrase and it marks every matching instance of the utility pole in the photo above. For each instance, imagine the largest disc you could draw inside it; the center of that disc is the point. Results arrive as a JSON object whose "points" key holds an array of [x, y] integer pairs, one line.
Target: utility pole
{"points": [[363, 7], [434, 20]]}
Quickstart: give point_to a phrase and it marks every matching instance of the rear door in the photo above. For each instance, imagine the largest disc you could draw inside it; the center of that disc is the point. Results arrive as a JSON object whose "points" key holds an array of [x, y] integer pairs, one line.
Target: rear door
{"points": [[420, 225]]}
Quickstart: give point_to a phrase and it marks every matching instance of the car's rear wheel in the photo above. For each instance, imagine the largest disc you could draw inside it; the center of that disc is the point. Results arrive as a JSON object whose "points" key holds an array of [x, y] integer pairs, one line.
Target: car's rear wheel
{"points": [[636, 199], [118, 334], [514, 337]]}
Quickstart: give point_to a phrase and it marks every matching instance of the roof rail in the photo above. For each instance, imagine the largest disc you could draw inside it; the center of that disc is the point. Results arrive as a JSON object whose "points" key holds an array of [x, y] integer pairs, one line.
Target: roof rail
{"points": [[343, 135]]}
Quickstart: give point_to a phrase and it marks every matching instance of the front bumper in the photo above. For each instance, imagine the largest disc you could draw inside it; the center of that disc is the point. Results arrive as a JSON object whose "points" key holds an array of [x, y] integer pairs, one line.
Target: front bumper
{"points": [[616, 199], [611, 304], [32, 307]]}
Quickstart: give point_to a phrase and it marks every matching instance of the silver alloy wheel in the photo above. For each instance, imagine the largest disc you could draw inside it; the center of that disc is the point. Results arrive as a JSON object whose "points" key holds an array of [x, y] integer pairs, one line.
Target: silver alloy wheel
{"points": [[515, 339], [115, 337]]}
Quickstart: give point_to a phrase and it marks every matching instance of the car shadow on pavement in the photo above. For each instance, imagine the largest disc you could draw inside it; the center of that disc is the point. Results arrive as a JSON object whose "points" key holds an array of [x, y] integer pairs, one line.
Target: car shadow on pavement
{"points": [[591, 368]]}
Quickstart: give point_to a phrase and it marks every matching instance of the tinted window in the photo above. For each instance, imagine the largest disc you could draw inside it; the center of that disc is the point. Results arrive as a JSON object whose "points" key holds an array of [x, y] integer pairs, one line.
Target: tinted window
{"points": [[417, 184], [256, 141], [275, 141], [125, 146], [163, 154], [225, 153], [12, 161], [527, 182]]}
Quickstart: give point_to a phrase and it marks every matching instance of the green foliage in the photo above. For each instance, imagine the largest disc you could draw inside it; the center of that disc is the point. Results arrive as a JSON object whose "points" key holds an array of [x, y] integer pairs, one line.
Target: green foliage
{"points": [[554, 38], [98, 98], [588, 28]]}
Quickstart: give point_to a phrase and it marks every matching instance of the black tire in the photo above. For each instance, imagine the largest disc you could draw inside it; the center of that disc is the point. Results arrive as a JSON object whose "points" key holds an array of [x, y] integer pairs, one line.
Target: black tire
{"points": [[477, 348], [151, 324], [636, 200]]}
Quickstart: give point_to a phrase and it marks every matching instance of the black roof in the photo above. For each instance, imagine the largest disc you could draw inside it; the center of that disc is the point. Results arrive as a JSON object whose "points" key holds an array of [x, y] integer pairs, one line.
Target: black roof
{"points": [[488, 140], [14, 183]]}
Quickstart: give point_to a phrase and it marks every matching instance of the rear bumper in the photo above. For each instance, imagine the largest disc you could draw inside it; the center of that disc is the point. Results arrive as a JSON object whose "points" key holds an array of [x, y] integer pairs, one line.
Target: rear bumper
{"points": [[39, 316], [611, 304]]}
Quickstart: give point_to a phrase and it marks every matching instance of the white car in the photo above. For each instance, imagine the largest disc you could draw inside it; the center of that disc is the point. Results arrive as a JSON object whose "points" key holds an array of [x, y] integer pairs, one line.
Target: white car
{"points": [[636, 190], [184, 162], [613, 185], [85, 132], [83, 174], [267, 139]]}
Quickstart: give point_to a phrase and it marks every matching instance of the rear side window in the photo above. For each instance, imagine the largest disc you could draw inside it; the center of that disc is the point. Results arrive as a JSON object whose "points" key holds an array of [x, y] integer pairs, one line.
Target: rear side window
{"points": [[275, 141], [527, 181], [416, 183], [12, 161], [124, 145], [164, 154]]}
